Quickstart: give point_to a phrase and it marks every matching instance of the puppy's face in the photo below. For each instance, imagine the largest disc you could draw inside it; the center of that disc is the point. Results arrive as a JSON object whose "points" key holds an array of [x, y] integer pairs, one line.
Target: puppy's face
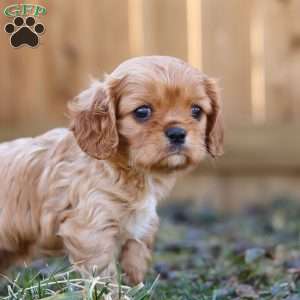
{"points": [[162, 125], [162, 115]]}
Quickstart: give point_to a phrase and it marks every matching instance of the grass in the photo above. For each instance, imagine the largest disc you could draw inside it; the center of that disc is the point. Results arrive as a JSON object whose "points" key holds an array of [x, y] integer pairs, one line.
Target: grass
{"points": [[200, 254], [64, 283]]}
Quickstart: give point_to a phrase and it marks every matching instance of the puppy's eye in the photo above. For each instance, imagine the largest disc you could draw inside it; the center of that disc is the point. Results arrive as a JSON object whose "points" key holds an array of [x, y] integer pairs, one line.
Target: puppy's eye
{"points": [[143, 113], [196, 112]]}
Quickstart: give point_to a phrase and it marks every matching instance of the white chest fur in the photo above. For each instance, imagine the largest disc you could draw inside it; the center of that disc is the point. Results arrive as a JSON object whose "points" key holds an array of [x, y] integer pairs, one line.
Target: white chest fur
{"points": [[139, 221]]}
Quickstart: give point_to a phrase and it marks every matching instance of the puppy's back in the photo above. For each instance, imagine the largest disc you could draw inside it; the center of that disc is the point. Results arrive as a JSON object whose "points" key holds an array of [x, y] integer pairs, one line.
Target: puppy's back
{"points": [[22, 156]]}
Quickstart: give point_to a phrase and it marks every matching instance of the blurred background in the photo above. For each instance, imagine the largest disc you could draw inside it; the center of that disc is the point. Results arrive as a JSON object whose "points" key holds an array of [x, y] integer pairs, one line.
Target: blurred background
{"points": [[251, 47]]}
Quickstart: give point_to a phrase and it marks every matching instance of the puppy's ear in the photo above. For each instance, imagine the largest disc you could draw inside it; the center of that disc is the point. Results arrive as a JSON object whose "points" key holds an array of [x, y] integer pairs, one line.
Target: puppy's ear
{"points": [[93, 121], [214, 129]]}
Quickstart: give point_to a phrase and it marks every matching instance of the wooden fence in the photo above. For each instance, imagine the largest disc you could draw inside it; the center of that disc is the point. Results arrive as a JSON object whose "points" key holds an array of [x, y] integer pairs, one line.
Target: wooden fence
{"points": [[251, 46]]}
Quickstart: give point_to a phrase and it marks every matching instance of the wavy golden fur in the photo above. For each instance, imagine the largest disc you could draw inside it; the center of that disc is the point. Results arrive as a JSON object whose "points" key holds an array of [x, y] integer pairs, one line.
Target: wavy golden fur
{"points": [[91, 191]]}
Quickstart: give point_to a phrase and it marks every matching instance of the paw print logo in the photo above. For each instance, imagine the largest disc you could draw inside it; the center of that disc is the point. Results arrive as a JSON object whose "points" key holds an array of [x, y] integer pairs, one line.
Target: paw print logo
{"points": [[24, 32]]}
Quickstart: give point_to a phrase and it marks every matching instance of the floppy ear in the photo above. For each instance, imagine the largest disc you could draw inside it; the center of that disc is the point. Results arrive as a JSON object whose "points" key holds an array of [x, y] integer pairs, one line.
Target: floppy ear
{"points": [[214, 129], [93, 121]]}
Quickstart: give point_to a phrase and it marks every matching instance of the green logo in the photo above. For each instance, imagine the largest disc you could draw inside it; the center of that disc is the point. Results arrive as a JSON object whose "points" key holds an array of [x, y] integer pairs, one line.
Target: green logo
{"points": [[24, 29], [16, 10]]}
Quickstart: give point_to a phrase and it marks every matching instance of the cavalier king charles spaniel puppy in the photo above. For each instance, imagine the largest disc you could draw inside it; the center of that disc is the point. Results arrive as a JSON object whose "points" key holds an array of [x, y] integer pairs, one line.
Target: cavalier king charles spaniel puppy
{"points": [[90, 192]]}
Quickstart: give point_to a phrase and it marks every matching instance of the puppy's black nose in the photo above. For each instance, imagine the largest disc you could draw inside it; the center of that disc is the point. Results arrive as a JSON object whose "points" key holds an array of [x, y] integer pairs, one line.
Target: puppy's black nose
{"points": [[176, 135]]}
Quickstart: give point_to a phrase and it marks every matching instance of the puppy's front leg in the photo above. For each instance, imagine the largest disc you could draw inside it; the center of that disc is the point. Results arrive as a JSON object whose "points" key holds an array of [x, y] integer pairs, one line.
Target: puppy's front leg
{"points": [[136, 255], [91, 243]]}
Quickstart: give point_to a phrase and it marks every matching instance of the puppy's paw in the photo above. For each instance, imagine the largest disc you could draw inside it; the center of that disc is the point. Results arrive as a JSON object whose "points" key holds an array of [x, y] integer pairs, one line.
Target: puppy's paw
{"points": [[134, 274], [134, 261]]}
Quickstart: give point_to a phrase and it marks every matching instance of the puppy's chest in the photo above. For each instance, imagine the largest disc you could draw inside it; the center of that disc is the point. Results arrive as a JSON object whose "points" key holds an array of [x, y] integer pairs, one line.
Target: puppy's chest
{"points": [[138, 221]]}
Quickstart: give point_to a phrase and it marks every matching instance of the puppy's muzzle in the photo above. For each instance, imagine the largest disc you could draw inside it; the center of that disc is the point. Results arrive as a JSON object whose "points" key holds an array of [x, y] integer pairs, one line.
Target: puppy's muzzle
{"points": [[176, 135]]}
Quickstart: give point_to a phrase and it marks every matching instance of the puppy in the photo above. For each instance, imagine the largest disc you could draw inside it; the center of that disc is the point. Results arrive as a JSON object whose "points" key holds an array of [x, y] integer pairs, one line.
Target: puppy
{"points": [[90, 191]]}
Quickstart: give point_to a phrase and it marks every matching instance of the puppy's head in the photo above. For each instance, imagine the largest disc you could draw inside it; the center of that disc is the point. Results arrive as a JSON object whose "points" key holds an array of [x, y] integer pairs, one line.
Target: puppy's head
{"points": [[158, 113]]}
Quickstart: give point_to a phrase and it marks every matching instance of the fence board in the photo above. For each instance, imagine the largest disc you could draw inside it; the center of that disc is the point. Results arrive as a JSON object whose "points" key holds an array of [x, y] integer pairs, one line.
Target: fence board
{"points": [[282, 57], [21, 81], [6, 79], [164, 28], [171, 28], [226, 53]]}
